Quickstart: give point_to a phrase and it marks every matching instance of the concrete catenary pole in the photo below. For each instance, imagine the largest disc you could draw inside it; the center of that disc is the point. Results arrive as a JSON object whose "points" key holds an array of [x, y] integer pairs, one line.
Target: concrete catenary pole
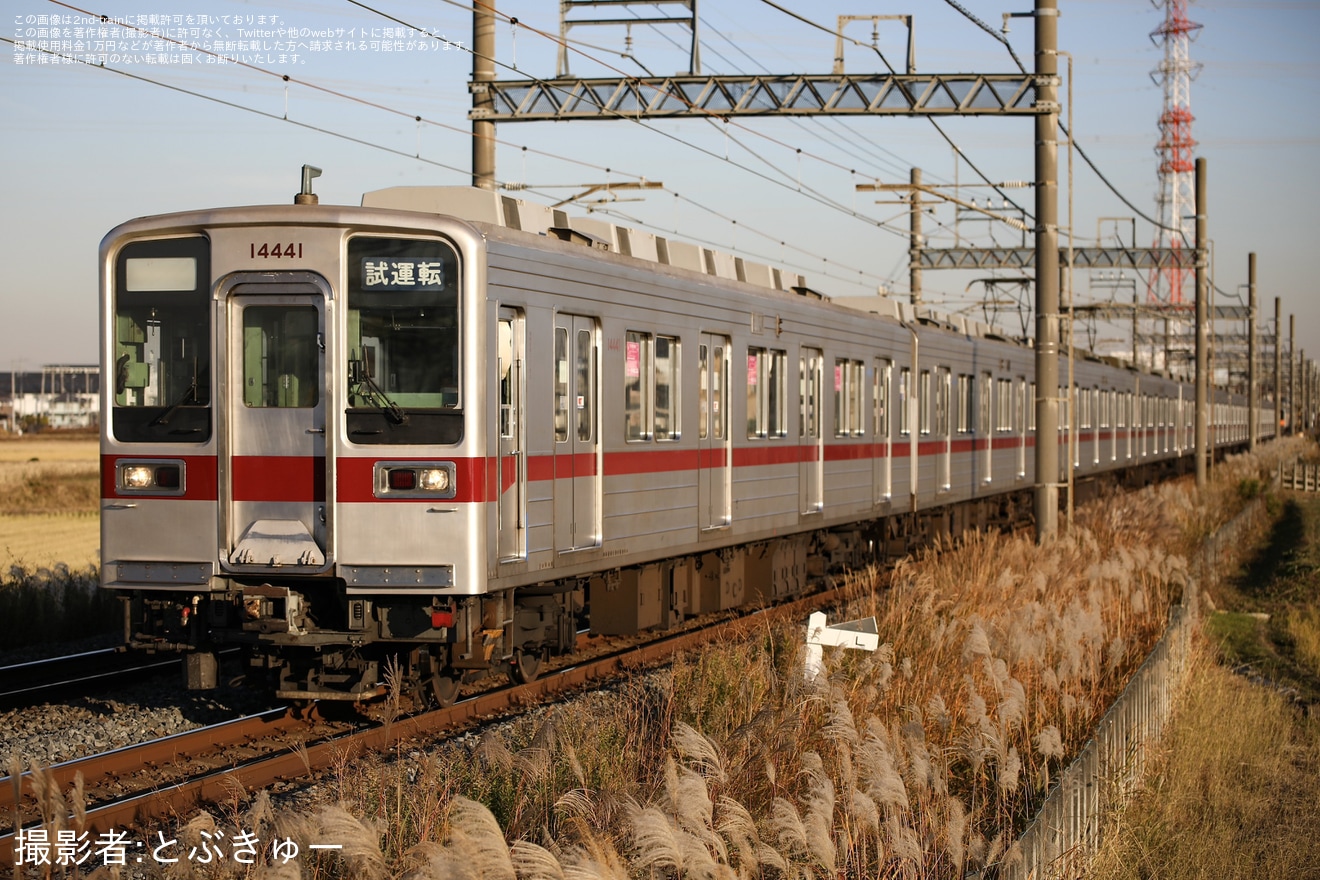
{"points": [[1253, 391], [483, 101], [1202, 373], [1046, 501], [1292, 374], [915, 242], [1278, 367]]}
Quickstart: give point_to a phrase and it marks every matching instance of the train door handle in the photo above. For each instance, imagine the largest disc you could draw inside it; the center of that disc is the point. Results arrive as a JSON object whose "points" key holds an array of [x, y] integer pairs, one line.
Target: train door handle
{"points": [[316, 430]]}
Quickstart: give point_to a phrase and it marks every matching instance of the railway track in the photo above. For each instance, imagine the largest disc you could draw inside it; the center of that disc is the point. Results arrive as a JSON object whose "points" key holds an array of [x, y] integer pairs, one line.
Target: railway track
{"points": [[175, 775], [23, 684]]}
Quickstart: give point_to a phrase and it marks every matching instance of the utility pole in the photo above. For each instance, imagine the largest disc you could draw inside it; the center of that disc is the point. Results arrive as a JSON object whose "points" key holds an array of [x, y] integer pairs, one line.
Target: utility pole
{"points": [[1278, 368], [1202, 373], [1253, 393], [1046, 499], [914, 238], [483, 99], [1292, 374]]}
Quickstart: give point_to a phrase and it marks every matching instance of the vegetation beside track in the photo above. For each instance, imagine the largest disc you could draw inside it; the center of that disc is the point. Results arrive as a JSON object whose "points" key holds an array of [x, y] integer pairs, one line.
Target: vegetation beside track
{"points": [[1235, 789]]}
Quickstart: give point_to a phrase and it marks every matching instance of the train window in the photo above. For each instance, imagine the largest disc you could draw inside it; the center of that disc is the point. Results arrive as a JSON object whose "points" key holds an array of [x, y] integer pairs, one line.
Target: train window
{"points": [[162, 341], [280, 356], [712, 379], [561, 384], [942, 392], [403, 344], [985, 404], [1083, 406], [963, 420], [904, 395], [1004, 405], [636, 387], [584, 367], [667, 386], [923, 403], [1031, 407], [766, 392], [880, 399], [848, 392]]}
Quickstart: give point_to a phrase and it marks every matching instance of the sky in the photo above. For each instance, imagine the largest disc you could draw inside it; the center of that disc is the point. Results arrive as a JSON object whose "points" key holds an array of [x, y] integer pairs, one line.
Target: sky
{"points": [[164, 128]]}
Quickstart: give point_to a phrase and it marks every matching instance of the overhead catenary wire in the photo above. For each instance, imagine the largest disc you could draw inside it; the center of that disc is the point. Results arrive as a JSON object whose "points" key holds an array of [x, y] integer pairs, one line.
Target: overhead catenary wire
{"points": [[376, 105], [1000, 38], [885, 61], [808, 192]]}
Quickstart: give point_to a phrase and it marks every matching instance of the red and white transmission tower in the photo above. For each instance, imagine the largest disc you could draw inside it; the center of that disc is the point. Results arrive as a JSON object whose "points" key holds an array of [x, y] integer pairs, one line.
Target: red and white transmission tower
{"points": [[1177, 195]]}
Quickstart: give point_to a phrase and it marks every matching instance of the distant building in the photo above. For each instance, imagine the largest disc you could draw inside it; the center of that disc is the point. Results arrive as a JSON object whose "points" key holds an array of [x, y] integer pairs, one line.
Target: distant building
{"points": [[60, 396]]}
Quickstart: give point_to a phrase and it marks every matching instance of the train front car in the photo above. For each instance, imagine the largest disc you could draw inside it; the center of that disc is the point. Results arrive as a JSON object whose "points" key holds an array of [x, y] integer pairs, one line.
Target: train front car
{"points": [[294, 453]]}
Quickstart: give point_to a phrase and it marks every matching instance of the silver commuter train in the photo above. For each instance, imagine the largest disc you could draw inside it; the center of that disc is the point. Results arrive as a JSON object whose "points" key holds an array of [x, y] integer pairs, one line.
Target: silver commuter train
{"points": [[446, 427]]}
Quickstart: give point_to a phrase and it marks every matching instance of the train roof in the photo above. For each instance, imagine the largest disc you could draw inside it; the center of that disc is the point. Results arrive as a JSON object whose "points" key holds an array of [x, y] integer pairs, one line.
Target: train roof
{"points": [[487, 206]]}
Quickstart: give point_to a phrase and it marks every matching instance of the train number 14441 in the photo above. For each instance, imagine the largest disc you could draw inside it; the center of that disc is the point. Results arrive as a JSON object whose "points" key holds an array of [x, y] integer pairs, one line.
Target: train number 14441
{"points": [[275, 250]]}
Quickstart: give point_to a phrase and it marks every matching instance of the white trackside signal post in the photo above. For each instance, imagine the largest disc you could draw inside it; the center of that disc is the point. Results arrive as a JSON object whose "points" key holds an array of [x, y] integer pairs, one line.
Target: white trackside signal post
{"points": [[861, 635]]}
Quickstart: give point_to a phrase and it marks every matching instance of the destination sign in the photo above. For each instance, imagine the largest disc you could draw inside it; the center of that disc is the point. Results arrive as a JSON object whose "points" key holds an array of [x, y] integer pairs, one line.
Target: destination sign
{"points": [[402, 273]]}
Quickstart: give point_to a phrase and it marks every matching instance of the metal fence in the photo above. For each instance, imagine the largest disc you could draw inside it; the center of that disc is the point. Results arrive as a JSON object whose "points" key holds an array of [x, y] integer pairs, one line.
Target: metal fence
{"points": [[1066, 832]]}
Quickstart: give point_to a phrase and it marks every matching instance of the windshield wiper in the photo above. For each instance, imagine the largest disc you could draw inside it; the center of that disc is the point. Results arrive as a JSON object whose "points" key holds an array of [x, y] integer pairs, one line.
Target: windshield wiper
{"points": [[388, 408], [189, 393]]}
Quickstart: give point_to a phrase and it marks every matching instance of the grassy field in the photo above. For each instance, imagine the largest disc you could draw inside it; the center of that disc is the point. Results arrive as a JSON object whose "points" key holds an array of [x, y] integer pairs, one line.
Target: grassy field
{"points": [[49, 492], [1235, 792]]}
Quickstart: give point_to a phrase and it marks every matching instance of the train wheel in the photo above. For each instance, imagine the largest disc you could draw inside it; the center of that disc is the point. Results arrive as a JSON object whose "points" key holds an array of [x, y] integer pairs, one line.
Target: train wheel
{"points": [[524, 667], [444, 690]]}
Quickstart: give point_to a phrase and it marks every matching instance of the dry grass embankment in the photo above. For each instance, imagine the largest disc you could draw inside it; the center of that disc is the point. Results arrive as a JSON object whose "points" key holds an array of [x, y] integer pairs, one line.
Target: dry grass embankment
{"points": [[1235, 790], [50, 535]]}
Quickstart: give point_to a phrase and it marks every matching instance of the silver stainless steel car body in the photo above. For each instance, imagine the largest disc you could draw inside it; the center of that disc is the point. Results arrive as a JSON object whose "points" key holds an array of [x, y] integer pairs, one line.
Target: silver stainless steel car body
{"points": [[448, 424]]}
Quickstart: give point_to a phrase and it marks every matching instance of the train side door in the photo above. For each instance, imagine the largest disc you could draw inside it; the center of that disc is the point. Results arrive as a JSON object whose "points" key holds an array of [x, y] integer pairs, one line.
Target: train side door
{"points": [[577, 442], [713, 432], [512, 540], [809, 403], [273, 468]]}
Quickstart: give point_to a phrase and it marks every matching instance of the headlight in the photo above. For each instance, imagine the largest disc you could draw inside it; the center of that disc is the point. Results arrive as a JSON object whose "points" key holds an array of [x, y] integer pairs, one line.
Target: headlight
{"points": [[150, 477], [410, 479], [433, 480], [138, 476]]}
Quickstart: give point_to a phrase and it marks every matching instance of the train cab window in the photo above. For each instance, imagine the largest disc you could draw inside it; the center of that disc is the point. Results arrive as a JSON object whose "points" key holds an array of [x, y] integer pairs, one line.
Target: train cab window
{"points": [[161, 319], [403, 348], [767, 385]]}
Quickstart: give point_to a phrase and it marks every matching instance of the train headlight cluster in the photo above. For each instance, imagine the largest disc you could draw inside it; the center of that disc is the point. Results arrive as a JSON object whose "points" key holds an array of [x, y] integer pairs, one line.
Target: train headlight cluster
{"points": [[396, 479], [150, 477]]}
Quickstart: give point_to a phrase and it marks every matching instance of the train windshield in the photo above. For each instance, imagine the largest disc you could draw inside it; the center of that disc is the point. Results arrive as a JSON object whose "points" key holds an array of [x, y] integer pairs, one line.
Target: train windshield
{"points": [[162, 341], [403, 341]]}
